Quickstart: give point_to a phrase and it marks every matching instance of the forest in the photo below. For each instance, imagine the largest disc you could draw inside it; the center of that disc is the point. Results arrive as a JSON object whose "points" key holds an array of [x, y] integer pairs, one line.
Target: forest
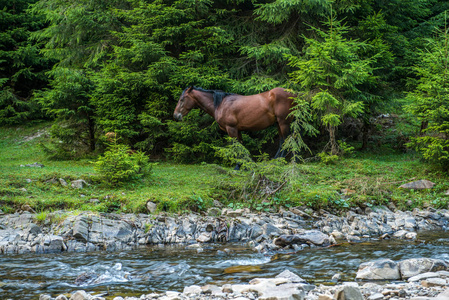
{"points": [[93, 67]]}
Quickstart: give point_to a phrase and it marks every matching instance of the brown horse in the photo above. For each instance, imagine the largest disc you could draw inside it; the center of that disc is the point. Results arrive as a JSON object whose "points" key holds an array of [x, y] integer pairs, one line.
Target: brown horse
{"points": [[235, 113]]}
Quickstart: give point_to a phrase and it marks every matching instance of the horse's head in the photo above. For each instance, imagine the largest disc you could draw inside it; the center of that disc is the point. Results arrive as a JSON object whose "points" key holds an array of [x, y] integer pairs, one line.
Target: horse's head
{"points": [[185, 103]]}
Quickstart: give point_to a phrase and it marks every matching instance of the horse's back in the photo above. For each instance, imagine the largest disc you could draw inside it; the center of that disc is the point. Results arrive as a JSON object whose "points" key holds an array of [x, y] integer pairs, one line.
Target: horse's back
{"points": [[254, 112]]}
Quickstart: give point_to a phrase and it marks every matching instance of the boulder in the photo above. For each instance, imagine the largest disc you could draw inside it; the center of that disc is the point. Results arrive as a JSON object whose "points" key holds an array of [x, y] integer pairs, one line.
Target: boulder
{"points": [[348, 293], [418, 185], [414, 266], [381, 269], [315, 237]]}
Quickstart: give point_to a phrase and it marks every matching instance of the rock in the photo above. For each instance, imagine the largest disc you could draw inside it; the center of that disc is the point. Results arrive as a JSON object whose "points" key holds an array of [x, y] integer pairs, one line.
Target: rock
{"points": [[423, 276], [80, 295], [336, 277], [44, 297], [269, 281], [33, 165], [211, 289], [418, 185], [234, 213], [443, 296], [382, 269], [81, 228], [173, 295], [414, 266], [203, 237], [376, 296], [63, 182], [218, 204], [300, 213], [61, 297], [431, 282], [324, 297], [348, 293], [151, 207], [315, 237], [282, 293], [213, 211], [79, 184], [192, 290], [290, 276], [271, 231], [28, 208]]}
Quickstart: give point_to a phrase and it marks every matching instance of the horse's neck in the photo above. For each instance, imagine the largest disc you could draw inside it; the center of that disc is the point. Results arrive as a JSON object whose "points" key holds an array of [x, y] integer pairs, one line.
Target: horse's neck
{"points": [[206, 102]]}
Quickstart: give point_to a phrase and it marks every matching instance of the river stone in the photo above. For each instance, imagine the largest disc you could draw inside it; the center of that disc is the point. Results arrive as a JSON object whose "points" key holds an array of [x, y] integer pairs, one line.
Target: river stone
{"points": [[423, 276], [61, 297], [80, 295], [282, 293], [315, 237], [44, 297], [376, 296], [418, 185], [192, 290], [348, 293], [290, 276], [381, 269], [415, 266], [431, 282]]}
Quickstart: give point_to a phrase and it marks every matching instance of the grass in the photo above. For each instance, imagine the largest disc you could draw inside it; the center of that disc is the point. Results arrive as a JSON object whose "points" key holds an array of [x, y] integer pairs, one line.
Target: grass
{"points": [[366, 179]]}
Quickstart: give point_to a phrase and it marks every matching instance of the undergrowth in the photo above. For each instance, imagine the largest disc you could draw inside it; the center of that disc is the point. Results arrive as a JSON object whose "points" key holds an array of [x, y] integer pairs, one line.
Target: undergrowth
{"points": [[361, 180]]}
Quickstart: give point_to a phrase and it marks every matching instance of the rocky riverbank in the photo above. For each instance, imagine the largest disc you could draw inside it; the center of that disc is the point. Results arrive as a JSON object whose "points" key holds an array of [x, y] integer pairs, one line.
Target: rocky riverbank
{"points": [[289, 229], [289, 286], [286, 231]]}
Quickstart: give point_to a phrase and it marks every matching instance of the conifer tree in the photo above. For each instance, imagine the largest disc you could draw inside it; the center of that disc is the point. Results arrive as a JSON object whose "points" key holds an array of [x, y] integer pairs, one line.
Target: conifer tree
{"points": [[331, 74], [22, 67], [431, 100]]}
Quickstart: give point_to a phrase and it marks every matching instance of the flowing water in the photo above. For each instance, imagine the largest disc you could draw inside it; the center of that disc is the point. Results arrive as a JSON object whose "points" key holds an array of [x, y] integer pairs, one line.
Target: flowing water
{"points": [[157, 269]]}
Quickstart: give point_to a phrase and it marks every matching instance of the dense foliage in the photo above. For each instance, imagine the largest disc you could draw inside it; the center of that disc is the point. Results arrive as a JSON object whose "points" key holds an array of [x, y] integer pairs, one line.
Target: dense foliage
{"points": [[22, 67], [120, 66]]}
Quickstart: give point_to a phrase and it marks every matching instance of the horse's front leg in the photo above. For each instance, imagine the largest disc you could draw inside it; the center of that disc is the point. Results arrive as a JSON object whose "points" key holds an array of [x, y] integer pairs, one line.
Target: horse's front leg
{"points": [[284, 131], [280, 152]]}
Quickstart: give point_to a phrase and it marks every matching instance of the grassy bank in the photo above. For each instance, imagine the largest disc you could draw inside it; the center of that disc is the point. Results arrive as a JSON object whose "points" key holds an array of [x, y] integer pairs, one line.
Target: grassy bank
{"points": [[366, 179]]}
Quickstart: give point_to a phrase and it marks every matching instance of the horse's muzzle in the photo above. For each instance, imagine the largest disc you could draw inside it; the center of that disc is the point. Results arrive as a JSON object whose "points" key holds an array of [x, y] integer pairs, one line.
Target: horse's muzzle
{"points": [[177, 116]]}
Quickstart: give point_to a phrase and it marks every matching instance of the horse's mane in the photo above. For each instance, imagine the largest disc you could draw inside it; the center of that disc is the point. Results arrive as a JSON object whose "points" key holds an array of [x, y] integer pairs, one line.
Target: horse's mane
{"points": [[217, 94]]}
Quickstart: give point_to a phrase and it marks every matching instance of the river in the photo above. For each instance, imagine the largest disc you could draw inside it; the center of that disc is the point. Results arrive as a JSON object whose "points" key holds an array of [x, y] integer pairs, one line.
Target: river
{"points": [[156, 269]]}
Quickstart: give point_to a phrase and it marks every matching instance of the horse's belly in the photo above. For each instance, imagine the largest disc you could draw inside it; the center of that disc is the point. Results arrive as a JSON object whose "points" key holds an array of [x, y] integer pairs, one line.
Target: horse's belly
{"points": [[259, 122]]}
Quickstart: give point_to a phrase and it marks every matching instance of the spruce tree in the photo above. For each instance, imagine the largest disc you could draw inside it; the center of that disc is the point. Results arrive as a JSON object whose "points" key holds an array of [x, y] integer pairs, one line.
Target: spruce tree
{"points": [[331, 74], [431, 100]]}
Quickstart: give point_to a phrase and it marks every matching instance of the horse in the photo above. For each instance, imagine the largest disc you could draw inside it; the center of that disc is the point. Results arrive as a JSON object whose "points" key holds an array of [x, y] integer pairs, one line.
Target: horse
{"points": [[236, 113]]}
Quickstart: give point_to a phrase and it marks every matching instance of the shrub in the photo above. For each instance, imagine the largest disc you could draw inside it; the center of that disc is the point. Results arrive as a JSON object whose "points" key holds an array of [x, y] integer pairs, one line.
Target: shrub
{"points": [[120, 164]]}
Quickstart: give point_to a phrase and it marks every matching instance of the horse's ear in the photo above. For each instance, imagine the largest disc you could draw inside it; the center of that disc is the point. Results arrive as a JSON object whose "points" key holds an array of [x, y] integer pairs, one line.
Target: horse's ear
{"points": [[189, 89]]}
